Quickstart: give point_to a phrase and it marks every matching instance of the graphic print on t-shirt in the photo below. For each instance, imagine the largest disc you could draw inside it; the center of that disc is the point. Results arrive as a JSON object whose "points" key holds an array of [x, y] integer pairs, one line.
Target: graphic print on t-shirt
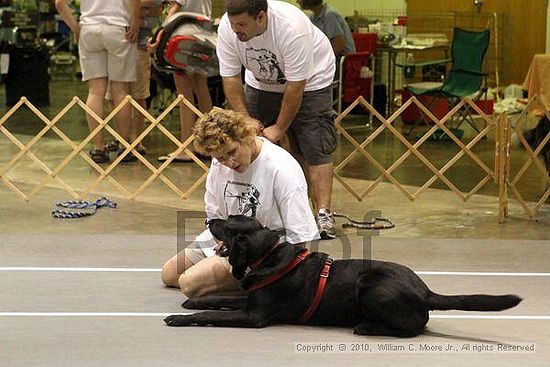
{"points": [[264, 65], [242, 196]]}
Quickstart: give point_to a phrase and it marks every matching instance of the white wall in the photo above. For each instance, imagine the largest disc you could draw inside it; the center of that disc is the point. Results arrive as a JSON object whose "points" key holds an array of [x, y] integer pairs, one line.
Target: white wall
{"points": [[346, 7]]}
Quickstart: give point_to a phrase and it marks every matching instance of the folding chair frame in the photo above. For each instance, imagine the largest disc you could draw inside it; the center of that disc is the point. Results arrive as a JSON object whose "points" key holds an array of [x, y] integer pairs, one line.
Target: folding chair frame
{"points": [[370, 60]]}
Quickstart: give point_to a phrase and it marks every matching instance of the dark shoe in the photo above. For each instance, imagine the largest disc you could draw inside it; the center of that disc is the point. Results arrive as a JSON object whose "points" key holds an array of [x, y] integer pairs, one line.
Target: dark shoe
{"points": [[202, 156], [130, 157], [112, 146], [141, 149], [99, 156]]}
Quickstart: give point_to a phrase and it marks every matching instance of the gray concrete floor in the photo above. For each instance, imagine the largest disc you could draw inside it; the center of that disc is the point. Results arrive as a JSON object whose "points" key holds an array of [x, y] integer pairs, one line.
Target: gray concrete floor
{"points": [[111, 317]]}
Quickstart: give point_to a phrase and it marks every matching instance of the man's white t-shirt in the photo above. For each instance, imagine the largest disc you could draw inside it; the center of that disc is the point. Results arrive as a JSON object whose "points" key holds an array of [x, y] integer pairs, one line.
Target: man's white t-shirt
{"points": [[291, 49], [113, 12], [273, 190], [196, 6]]}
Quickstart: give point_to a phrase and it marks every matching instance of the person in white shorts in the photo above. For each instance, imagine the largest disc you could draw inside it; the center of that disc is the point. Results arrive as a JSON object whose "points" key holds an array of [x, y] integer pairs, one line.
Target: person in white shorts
{"points": [[250, 176], [106, 35], [150, 12], [190, 84]]}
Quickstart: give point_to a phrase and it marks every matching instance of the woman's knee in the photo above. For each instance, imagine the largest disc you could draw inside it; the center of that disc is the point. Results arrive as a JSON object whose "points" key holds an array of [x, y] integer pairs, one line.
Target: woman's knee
{"points": [[169, 274], [190, 286], [177, 265], [210, 275]]}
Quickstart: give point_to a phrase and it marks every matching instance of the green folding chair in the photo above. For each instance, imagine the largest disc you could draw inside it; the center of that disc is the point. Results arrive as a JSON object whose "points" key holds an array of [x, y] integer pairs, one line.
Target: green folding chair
{"points": [[465, 78]]}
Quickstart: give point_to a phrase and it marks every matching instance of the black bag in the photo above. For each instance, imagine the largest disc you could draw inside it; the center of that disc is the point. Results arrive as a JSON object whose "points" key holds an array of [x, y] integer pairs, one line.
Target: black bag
{"points": [[28, 76]]}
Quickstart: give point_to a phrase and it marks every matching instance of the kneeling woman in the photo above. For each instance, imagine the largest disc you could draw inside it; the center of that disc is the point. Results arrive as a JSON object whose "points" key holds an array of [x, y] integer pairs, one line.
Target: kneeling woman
{"points": [[251, 176]]}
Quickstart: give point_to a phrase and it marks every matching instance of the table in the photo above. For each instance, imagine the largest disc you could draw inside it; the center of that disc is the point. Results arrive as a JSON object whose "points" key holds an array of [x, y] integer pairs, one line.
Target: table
{"points": [[392, 52], [537, 81]]}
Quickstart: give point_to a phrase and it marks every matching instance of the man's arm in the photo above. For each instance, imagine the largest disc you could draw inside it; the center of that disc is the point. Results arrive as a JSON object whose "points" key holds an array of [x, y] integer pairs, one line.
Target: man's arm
{"points": [[174, 8], [335, 31], [234, 92], [66, 14], [151, 3], [338, 42], [132, 33], [292, 100]]}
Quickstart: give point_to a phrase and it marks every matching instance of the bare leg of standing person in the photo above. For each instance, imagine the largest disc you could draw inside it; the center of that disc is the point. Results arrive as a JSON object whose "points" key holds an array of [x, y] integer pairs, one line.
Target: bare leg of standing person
{"points": [[120, 90], [96, 93]]}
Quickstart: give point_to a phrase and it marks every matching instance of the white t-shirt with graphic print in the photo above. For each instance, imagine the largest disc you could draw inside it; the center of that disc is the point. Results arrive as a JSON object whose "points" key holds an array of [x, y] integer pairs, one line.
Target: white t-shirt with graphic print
{"points": [[273, 190], [291, 49]]}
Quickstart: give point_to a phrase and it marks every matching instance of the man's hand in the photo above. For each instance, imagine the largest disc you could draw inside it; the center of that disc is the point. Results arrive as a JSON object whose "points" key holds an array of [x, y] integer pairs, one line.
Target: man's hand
{"points": [[273, 133], [258, 125], [132, 33], [76, 32]]}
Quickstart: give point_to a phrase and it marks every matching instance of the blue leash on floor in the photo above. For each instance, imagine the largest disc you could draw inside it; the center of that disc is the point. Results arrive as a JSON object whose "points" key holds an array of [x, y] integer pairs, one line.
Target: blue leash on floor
{"points": [[90, 206], [374, 223]]}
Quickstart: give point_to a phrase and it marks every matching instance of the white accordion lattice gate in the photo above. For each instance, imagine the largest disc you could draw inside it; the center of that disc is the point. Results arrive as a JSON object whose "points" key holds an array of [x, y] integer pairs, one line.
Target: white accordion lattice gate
{"points": [[498, 172], [500, 125], [77, 150]]}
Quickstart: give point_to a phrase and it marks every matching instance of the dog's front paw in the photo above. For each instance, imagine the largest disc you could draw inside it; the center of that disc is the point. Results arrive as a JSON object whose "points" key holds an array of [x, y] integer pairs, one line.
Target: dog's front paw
{"points": [[189, 304], [175, 320]]}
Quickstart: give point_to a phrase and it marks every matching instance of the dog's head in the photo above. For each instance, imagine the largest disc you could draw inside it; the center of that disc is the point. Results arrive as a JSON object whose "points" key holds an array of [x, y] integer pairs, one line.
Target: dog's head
{"points": [[244, 239]]}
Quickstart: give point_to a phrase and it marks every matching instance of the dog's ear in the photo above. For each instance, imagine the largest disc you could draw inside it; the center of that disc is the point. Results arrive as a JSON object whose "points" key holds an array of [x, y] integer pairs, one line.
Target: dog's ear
{"points": [[242, 224], [238, 256], [216, 227], [261, 242]]}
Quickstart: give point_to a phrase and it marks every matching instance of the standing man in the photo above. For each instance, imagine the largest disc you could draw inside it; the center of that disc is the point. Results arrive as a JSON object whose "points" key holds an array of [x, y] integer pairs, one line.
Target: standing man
{"points": [[333, 25], [106, 36], [289, 72]]}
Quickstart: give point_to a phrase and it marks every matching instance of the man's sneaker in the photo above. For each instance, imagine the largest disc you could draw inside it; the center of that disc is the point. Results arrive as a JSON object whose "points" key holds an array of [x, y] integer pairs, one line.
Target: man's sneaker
{"points": [[325, 223], [112, 146]]}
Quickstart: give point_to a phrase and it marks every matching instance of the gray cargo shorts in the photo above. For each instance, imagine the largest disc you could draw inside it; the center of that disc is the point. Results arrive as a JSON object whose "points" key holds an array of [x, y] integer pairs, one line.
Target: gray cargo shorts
{"points": [[312, 132]]}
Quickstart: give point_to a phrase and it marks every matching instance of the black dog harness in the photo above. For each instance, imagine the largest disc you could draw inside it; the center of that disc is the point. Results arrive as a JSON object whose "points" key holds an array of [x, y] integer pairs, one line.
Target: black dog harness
{"points": [[301, 256]]}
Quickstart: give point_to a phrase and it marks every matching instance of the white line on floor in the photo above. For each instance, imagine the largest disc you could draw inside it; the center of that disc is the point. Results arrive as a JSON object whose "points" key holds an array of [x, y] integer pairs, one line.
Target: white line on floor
{"points": [[490, 317], [482, 273], [90, 314], [156, 270], [164, 314], [105, 270]]}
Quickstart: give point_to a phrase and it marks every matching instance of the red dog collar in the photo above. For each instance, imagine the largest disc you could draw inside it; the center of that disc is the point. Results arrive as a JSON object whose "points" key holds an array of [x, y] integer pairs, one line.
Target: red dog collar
{"points": [[301, 256]]}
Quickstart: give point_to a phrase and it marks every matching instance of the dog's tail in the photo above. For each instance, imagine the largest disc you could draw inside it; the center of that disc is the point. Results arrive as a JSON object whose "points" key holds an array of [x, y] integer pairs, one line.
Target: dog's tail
{"points": [[475, 302]]}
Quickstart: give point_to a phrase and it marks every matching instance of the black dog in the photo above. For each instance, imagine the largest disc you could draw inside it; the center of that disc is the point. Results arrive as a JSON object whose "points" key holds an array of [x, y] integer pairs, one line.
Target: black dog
{"points": [[534, 138], [285, 286]]}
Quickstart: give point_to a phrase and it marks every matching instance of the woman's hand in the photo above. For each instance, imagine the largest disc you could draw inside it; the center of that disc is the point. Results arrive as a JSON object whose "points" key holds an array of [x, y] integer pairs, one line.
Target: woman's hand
{"points": [[153, 44], [220, 248]]}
